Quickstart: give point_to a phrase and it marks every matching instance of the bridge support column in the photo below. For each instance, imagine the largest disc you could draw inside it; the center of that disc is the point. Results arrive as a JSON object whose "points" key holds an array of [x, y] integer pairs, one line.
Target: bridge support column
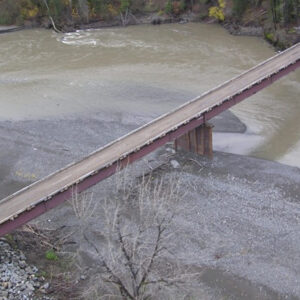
{"points": [[198, 140]]}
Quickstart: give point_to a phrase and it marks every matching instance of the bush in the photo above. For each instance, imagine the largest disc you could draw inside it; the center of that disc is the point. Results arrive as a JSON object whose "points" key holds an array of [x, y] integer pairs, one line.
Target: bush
{"points": [[239, 7], [169, 7], [9, 11], [174, 7], [96, 7], [217, 12], [134, 238], [51, 255]]}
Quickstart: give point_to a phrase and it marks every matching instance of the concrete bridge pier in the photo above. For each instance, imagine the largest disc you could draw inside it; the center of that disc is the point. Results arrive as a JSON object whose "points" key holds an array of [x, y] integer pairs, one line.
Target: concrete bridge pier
{"points": [[198, 140]]}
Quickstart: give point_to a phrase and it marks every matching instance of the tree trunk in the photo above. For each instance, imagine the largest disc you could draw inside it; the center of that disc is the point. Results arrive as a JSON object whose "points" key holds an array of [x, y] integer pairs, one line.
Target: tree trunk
{"points": [[50, 18]]}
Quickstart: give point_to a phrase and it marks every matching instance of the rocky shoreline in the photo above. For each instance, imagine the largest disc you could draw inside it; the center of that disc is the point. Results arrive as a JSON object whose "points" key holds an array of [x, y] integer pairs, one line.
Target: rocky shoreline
{"points": [[7, 29], [18, 279], [281, 39], [240, 221]]}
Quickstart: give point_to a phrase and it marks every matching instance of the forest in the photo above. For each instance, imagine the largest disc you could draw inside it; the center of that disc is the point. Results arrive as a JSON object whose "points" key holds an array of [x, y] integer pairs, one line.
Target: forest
{"points": [[281, 12], [278, 19]]}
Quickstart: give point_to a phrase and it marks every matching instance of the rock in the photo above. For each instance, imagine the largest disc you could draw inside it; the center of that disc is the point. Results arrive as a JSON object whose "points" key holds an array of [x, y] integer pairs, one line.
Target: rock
{"points": [[4, 294], [156, 20], [175, 164], [171, 150], [22, 256], [5, 285], [22, 287], [36, 284], [29, 286], [46, 286], [183, 21], [236, 29], [22, 264], [5, 278], [82, 277], [46, 23], [17, 278]]}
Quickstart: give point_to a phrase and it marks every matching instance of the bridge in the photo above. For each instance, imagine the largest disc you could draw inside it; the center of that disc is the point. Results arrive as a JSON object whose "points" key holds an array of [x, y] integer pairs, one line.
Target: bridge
{"points": [[186, 125]]}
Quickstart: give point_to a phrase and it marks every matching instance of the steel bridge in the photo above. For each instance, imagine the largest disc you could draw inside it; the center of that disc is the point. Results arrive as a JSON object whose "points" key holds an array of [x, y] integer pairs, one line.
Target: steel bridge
{"points": [[47, 193]]}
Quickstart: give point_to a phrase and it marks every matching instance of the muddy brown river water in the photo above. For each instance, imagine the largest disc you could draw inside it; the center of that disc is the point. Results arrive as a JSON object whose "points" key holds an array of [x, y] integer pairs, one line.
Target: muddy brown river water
{"points": [[127, 76], [137, 69]]}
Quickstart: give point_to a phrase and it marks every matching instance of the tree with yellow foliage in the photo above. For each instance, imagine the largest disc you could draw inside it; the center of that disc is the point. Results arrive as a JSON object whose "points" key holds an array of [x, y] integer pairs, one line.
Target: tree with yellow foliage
{"points": [[217, 12], [29, 10]]}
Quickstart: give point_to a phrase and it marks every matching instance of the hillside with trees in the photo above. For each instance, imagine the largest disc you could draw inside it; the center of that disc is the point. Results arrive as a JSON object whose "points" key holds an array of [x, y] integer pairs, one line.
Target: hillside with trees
{"points": [[278, 19]]}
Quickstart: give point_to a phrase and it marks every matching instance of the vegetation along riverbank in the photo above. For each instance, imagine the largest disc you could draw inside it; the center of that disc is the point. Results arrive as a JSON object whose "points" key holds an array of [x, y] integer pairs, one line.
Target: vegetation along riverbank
{"points": [[276, 20]]}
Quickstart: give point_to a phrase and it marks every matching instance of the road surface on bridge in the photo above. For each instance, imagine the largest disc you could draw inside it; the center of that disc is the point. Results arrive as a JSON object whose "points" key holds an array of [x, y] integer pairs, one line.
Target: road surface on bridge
{"points": [[43, 190]]}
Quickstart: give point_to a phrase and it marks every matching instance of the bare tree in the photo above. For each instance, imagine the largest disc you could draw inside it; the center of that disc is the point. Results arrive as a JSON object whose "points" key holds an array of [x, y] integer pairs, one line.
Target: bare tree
{"points": [[136, 236], [84, 9], [125, 12], [50, 17]]}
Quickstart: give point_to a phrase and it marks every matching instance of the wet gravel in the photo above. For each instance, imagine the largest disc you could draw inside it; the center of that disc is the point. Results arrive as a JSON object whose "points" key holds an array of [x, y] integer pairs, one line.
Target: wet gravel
{"points": [[239, 218]]}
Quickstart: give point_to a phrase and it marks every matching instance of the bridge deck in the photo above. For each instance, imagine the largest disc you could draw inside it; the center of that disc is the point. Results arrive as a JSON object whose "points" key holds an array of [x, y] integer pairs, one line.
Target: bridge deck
{"points": [[44, 189]]}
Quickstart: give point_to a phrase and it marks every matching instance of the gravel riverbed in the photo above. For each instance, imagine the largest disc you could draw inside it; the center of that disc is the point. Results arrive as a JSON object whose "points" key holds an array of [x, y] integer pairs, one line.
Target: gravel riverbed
{"points": [[239, 221]]}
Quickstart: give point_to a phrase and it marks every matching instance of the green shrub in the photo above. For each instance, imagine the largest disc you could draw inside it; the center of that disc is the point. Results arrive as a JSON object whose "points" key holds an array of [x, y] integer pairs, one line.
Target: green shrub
{"points": [[169, 7], [269, 36], [125, 4], [160, 13], [239, 7], [96, 7], [51, 255], [182, 5]]}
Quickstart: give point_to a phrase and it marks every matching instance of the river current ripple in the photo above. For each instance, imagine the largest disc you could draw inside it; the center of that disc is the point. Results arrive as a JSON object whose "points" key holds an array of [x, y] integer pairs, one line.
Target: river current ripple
{"points": [[147, 70]]}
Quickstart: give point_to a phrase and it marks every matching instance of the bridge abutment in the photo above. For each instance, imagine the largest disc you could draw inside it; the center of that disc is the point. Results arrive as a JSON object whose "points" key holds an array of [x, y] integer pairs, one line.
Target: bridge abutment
{"points": [[198, 140]]}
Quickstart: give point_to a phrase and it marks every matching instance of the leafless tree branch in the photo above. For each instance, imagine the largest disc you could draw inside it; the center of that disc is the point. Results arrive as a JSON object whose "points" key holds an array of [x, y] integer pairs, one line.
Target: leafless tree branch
{"points": [[136, 228]]}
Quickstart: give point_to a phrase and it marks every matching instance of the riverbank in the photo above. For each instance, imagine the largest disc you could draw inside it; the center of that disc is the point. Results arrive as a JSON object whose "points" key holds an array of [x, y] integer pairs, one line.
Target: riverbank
{"points": [[7, 29], [238, 223], [238, 227], [253, 22], [18, 278], [281, 38]]}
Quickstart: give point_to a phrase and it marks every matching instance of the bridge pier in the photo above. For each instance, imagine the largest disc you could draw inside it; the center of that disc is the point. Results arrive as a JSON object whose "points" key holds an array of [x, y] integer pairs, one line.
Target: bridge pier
{"points": [[198, 140]]}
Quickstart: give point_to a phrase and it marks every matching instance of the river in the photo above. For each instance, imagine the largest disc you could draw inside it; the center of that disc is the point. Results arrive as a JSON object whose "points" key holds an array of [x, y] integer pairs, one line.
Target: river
{"points": [[147, 70]]}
